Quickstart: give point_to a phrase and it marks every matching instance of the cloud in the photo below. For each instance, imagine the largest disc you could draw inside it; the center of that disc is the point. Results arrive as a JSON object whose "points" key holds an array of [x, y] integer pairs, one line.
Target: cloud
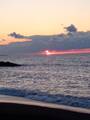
{"points": [[15, 35], [71, 28], [2, 40], [13, 38], [77, 40]]}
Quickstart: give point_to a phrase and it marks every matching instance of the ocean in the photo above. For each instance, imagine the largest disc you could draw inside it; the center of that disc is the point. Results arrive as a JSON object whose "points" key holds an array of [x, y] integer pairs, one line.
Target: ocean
{"points": [[63, 79]]}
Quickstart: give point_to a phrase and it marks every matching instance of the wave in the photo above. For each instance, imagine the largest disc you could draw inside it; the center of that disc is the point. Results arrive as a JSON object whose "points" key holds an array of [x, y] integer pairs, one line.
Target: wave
{"points": [[83, 102]]}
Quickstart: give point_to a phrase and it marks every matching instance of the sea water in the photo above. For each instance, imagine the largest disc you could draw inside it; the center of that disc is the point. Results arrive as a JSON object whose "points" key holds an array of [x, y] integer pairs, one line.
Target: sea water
{"points": [[63, 79]]}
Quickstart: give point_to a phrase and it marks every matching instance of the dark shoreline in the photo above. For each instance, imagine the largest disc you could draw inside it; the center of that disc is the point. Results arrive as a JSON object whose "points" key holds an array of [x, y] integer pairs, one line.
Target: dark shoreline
{"points": [[14, 107]]}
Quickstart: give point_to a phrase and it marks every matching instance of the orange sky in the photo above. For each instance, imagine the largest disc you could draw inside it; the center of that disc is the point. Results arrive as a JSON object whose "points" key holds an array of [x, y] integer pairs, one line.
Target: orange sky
{"points": [[30, 17], [5, 40]]}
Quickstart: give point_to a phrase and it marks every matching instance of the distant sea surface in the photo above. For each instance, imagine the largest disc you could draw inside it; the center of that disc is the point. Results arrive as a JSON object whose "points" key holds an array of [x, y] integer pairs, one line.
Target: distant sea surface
{"points": [[63, 79]]}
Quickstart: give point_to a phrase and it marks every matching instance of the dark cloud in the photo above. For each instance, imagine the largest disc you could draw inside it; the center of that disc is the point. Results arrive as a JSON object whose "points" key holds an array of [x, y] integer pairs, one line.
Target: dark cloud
{"points": [[77, 40], [15, 35], [71, 28]]}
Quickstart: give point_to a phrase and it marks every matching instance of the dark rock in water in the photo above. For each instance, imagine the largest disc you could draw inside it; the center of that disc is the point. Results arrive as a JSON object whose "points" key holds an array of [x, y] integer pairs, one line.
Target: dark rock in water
{"points": [[8, 64]]}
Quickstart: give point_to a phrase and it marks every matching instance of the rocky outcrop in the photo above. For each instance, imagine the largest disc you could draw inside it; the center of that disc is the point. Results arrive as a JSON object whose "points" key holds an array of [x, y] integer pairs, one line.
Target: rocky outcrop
{"points": [[8, 64]]}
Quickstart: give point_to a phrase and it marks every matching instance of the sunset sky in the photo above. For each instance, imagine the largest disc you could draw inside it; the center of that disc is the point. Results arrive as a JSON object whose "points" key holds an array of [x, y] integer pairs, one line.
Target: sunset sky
{"points": [[33, 17]]}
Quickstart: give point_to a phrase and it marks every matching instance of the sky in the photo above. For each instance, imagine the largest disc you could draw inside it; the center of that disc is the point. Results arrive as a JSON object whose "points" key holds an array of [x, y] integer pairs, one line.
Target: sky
{"points": [[43, 17]]}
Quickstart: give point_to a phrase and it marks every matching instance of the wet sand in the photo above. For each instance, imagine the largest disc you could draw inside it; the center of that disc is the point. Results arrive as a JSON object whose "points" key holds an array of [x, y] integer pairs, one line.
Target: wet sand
{"points": [[17, 106]]}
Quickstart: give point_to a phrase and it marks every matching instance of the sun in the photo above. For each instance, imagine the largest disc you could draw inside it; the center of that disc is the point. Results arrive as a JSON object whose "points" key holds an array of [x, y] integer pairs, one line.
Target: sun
{"points": [[47, 52]]}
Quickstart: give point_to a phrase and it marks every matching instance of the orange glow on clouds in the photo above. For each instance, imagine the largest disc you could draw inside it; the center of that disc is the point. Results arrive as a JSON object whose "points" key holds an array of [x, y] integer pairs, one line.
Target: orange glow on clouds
{"points": [[62, 52], [5, 40]]}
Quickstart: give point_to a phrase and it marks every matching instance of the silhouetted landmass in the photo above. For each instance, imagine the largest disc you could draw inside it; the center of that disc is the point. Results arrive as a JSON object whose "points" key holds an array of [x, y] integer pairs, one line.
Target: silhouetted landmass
{"points": [[8, 64]]}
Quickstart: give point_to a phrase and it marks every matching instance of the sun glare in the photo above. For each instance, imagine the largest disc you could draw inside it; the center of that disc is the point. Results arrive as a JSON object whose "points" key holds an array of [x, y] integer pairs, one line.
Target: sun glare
{"points": [[47, 52], [62, 52]]}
